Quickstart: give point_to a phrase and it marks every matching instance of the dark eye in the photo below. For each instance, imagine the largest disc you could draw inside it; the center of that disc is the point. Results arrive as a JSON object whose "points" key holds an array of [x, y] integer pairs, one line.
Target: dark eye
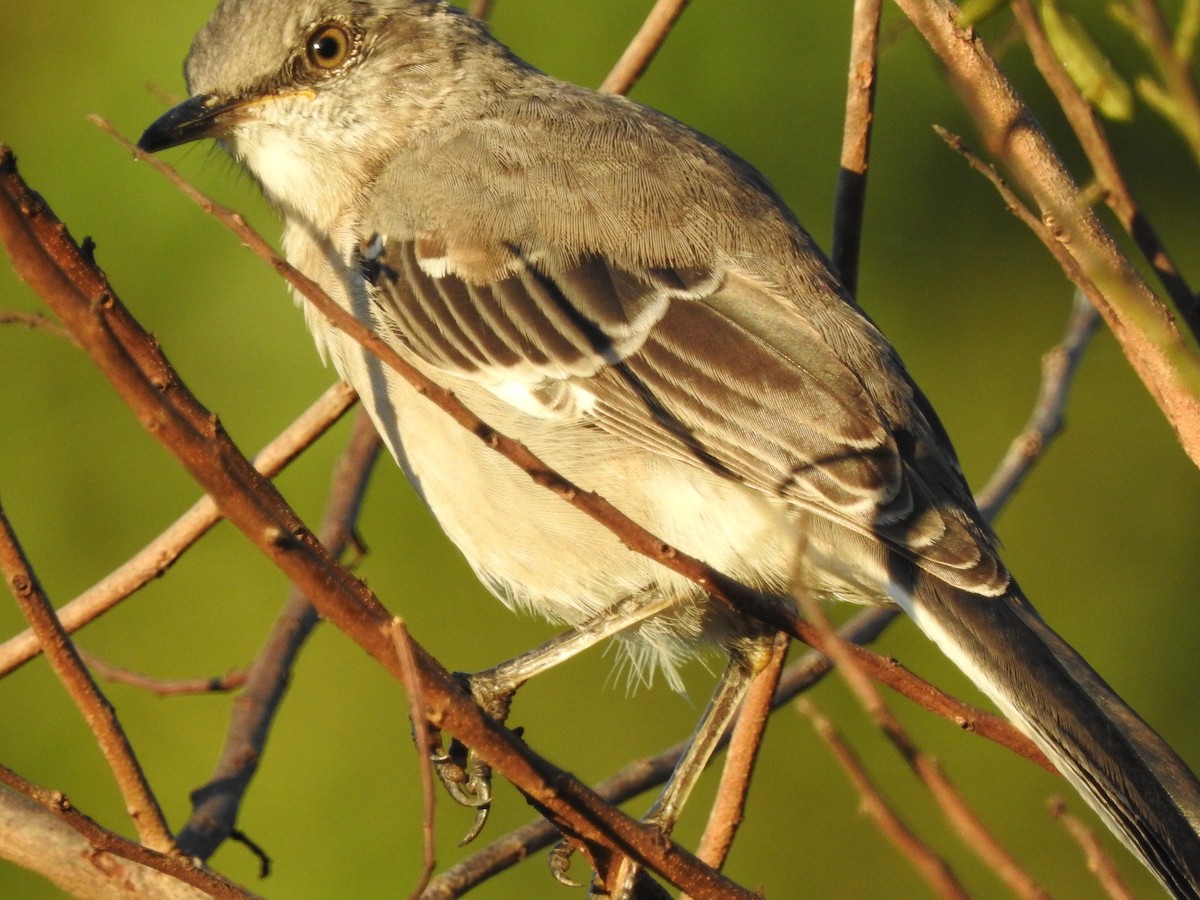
{"points": [[327, 46]]}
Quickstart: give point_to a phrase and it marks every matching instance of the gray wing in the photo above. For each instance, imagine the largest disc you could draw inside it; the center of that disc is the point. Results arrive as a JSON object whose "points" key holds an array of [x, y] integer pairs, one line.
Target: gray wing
{"points": [[705, 365]]}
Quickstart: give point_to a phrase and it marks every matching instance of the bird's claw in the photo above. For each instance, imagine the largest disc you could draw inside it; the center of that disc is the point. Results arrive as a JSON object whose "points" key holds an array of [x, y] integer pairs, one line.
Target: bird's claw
{"points": [[559, 862], [468, 781]]}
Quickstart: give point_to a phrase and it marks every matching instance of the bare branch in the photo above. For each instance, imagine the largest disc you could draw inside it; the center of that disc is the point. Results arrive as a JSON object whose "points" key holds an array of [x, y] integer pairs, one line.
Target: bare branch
{"points": [[215, 684], [99, 714], [1059, 366], [481, 9], [645, 44], [931, 867], [744, 743], [36, 831], [425, 744], [851, 197], [215, 805], [1098, 862], [161, 553], [1042, 230], [36, 322]]}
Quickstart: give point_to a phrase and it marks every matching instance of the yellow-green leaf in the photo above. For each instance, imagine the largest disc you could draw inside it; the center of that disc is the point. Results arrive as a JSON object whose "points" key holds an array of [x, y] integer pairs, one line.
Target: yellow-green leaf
{"points": [[972, 12], [1086, 63]]}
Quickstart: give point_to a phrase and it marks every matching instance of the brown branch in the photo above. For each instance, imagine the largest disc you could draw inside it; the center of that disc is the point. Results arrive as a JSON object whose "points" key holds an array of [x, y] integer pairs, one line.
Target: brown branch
{"points": [[745, 741], [162, 553], [99, 714], [36, 322], [103, 850], [1059, 365], [1043, 230], [1166, 364], [645, 44], [891, 673], [215, 684], [1098, 862], [936, 872], [216, 804], [850, 200], [1092, 139], [47, 258], [425, 742], [481, 9]]}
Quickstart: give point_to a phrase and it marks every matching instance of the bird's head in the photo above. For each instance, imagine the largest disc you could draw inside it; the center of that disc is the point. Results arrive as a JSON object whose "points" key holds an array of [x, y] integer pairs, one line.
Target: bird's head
{"points": [[311, 96]]}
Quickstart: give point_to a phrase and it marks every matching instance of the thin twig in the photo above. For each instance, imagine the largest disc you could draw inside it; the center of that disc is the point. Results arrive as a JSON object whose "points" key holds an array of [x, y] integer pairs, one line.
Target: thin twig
{"points": [[967, 824], [215, 805], [481, 9], [424, 740], [1059, 365], [645, 44], [1098, 861], [744, 744], [850, 200], [1117, 194], [99, 714], [165, 550], [216, 684], [1043, 229], [928, 864], [36, 322]]}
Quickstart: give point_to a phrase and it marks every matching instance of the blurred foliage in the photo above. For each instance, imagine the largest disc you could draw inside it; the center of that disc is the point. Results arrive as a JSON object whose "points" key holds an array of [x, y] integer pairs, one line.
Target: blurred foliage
{"points": [[1102, 536], [1086, 63]]}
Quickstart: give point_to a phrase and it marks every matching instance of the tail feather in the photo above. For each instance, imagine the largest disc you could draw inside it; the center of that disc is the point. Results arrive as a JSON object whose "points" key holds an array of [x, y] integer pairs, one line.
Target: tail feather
{"points": [[1128, 774]]}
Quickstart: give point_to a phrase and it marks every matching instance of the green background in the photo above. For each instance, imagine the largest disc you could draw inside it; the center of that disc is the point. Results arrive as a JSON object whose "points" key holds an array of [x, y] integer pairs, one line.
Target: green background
{"points": [[1102, 537]]}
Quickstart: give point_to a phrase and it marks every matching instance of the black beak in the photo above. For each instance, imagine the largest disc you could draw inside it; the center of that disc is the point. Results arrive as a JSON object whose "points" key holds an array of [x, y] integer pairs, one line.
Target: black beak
{"points": [[202, 116]]}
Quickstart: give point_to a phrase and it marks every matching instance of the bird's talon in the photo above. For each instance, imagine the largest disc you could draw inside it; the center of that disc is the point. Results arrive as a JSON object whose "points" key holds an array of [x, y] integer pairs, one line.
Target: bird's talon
{"points": [[481, 817], [559, 861]]}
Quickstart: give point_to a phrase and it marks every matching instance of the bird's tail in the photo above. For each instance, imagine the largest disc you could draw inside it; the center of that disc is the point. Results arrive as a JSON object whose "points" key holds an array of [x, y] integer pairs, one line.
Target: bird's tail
{"points": [[1137, 784]]}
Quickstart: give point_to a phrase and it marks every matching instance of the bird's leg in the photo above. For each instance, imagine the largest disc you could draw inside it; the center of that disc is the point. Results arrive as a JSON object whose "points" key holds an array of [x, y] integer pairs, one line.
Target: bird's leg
{"points": [[465, 776], [493, 688], [745, 662], [746, 659]]}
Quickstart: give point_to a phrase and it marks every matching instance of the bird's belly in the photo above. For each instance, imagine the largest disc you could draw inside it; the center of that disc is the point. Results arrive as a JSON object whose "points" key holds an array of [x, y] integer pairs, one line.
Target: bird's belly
{"points": [[536, 551]]}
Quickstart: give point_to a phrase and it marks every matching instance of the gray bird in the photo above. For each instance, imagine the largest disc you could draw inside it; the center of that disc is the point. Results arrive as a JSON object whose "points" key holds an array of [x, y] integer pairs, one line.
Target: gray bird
{"points": [[633, 302]]}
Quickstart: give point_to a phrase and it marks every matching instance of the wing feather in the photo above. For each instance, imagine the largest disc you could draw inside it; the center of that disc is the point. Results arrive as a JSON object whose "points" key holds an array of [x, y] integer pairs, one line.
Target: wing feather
{"points": [[698, 365]]}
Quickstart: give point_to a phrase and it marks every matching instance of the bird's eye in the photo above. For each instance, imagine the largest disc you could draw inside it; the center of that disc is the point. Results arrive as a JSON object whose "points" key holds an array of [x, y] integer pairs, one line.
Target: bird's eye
{"points": [[328, 46]]}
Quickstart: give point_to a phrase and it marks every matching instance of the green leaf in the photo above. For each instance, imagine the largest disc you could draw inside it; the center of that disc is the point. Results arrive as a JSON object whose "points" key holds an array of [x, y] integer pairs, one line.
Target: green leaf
{"points": [[972, 12], [1086, 63]]}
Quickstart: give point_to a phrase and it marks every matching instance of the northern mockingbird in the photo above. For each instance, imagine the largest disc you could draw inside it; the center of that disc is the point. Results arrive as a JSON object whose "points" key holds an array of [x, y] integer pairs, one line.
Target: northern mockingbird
{"points": [[634, 303]]}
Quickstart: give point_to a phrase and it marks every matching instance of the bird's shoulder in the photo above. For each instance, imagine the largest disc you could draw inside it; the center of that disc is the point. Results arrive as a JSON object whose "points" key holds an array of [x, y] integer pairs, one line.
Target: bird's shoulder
{"points": [[538, 161]]}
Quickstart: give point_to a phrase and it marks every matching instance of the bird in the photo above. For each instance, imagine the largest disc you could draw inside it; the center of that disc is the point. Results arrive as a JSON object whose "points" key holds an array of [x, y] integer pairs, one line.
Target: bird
{"points": [[635, 303]]}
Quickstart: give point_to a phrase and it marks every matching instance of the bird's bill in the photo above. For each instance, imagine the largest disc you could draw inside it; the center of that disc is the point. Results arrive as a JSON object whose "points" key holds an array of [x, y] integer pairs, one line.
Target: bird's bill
{"points": [[201, 116]]}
